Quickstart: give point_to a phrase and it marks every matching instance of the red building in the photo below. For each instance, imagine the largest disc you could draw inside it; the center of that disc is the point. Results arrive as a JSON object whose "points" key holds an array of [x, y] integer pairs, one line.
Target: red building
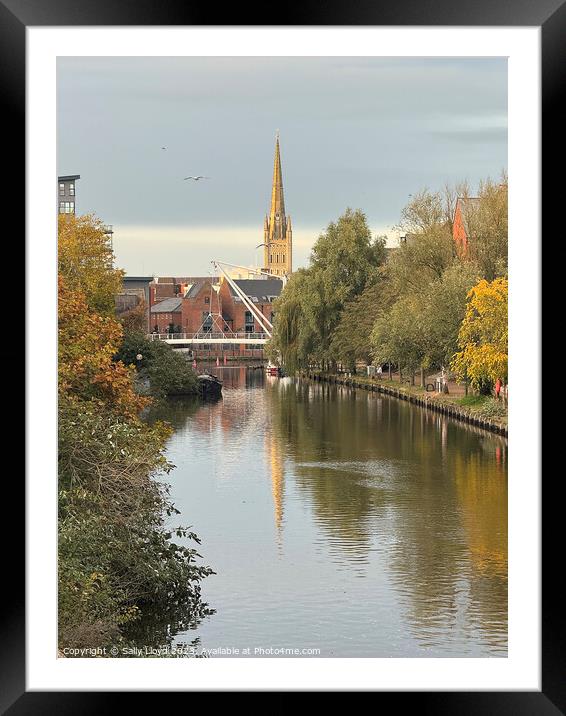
{"points": [[210, 306], [166, 316]]}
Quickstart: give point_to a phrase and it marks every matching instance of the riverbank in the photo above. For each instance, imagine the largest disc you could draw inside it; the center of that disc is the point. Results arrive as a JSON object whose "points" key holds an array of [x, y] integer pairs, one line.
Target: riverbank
{"points": [[441, 403]]}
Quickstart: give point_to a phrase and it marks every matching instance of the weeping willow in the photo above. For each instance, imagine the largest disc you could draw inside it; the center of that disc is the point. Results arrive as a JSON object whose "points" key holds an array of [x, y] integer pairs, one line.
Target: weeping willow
{"points": [[287, 335]]}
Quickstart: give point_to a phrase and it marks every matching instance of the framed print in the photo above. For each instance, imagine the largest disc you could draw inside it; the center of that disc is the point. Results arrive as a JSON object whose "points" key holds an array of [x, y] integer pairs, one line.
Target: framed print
{"points": [[275, 443]]}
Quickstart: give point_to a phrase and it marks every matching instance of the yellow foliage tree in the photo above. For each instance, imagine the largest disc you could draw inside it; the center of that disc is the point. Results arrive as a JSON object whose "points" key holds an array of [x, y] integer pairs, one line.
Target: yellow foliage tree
{"points": [[483, 336], [85, 261]]}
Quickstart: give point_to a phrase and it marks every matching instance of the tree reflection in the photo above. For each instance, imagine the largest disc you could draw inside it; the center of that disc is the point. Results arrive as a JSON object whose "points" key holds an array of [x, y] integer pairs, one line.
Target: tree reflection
{"points": [[383, 475]]}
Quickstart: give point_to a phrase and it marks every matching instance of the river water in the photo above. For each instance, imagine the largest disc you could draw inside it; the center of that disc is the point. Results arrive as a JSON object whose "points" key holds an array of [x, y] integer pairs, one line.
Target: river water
{"points": [[341, 521]]}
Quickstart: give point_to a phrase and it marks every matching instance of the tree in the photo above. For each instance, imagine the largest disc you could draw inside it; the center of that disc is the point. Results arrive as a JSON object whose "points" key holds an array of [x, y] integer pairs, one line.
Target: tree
{"points": [[345, 255], [444, 308], [116, 559], [87, 344], [166, 370], [350, 337], [488, 229], [483, 336], [343, 260], [85, 262], [424, 212], [421, 259], [292, 339], [398, 336], [135, 319]]}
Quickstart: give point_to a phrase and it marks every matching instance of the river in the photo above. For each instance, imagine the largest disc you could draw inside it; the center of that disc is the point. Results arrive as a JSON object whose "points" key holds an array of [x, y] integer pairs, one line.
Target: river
{"points": [[341, 523]]}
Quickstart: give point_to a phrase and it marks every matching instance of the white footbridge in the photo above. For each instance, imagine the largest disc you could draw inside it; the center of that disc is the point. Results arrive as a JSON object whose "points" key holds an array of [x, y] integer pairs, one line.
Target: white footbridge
{"points": [[215, 335]]}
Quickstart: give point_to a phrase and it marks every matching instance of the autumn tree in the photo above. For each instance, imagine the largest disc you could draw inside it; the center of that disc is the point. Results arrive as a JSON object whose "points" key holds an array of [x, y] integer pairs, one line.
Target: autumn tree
{"points": [[85, 261], [483, 336], [134, 320], [116, 557], [87, 344]]}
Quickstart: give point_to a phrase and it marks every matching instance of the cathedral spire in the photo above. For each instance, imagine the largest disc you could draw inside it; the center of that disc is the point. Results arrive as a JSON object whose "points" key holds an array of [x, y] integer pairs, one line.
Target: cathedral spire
{"points": [[277, 227], [277, 210]]}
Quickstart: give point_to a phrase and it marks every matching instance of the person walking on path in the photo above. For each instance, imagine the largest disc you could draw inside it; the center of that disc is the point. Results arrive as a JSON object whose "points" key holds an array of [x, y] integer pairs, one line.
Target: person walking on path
{"points": [[497, 388]]}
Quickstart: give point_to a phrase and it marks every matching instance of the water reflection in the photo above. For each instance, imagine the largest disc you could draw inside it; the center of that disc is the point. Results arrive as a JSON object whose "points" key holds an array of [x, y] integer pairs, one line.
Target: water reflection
{"points": [[344, 519]]}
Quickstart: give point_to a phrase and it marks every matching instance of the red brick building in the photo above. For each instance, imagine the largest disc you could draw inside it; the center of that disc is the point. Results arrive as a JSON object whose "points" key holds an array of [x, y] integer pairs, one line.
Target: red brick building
{"points": [[211, 306], [166, 316]]}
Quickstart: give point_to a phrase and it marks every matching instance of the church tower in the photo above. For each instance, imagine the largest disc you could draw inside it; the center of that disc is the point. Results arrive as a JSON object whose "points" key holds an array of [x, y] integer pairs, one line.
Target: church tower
{"points": [[277, 232]]}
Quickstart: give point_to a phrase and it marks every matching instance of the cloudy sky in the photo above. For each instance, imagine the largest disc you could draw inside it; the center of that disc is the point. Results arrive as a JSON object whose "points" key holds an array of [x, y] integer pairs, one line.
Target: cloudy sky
{"points": [[358, 132]]}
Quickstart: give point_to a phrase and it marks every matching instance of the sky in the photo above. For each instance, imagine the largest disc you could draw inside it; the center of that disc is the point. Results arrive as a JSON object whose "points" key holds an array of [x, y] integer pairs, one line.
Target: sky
{"points": [[359, 132]]}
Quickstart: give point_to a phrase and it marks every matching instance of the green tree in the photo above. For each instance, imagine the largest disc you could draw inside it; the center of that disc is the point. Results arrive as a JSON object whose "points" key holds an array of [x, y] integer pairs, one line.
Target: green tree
{"points": [[398, 337], [345, 255], [488, 229], [443, 310], [343, 260], [167, 371], [350, 339]]}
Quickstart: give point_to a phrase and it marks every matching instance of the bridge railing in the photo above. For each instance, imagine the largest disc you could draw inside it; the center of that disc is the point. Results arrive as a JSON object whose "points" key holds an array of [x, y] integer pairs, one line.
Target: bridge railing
{"points": [[206, 335]]}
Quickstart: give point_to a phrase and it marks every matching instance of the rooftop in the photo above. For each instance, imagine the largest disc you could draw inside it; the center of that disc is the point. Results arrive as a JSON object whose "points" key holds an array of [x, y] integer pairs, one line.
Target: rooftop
{"points": [[146, 279], [261, 290], [169, 305], [70, 177]]}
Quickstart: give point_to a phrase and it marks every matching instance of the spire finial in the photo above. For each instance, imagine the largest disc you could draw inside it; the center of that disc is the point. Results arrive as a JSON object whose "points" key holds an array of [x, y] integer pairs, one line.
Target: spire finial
{"points": [[277, 135]]}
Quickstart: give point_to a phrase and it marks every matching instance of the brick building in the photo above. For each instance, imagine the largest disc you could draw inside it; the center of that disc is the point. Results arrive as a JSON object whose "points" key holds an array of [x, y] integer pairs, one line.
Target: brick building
{"points": [[166, 316], [164, 287], [211, 306]]}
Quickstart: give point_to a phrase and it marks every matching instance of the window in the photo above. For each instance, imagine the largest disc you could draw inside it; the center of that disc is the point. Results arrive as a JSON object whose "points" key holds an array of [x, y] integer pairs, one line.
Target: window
{"points": [[61, 189], [283, 258], [71, 207], [72, 189], [207, 299], [206, 322], [249, 322], [61, 207]]}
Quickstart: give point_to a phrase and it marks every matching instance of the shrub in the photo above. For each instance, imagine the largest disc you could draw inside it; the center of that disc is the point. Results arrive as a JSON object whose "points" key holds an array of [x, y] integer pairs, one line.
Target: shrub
{"points": [[117, 559], [167, 371], [493, 408]]}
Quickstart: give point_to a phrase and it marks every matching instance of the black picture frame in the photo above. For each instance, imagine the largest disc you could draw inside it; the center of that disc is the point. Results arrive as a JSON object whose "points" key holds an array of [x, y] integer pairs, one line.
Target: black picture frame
{"points": [[550, 16]]}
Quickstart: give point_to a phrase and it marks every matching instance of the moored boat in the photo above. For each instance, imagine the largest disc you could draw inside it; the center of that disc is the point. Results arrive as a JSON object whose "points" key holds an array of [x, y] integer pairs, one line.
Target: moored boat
{"points": [[210, 386], [276, 370]]}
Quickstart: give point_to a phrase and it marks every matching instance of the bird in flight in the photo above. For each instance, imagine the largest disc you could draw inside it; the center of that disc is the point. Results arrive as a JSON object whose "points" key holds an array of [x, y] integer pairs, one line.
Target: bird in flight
{"points": [[163, 147], [195, 178]]}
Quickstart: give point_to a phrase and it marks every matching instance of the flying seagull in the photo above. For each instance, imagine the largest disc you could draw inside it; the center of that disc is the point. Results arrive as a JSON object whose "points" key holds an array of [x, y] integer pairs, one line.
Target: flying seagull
{"points": [[195, 178]]}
